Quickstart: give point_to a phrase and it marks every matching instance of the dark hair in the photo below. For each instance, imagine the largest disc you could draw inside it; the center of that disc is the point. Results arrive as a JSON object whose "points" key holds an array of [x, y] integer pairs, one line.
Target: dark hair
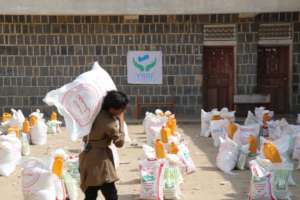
{"points": [[114, 99]]}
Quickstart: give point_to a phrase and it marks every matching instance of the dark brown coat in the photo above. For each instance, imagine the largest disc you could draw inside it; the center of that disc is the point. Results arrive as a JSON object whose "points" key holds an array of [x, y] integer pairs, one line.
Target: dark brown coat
{"points": [[96, 165]]}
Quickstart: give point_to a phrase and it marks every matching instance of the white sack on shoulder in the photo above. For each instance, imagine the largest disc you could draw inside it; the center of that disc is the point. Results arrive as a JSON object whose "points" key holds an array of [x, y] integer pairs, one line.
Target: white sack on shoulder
{"points": [[80, 101]]}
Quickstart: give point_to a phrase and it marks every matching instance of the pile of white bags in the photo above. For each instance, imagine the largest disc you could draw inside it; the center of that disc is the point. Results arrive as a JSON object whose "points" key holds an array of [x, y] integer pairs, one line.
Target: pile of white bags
{"points": [[80, 101], [10, 153], [152, 125], [209, 125]]}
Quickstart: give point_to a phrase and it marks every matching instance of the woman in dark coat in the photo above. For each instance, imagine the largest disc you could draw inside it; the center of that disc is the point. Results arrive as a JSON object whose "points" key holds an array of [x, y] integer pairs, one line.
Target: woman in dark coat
{"points": [[97, 170]]}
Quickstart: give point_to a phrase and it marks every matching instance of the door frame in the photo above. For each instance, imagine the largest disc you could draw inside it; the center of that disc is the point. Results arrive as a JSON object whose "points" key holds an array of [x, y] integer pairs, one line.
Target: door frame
{"points": [[286, 43], [232, 44]]}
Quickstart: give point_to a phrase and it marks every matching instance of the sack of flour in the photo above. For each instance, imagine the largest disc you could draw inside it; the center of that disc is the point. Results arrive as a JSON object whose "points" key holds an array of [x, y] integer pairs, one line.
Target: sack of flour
{"points": [[38, 133], [172, 181], [37, 181], [260, 186], [205, 123], [10, 153], [218, 130], [227, 155], [186, 159], [241, 136], [80, 101], [152, 184]]}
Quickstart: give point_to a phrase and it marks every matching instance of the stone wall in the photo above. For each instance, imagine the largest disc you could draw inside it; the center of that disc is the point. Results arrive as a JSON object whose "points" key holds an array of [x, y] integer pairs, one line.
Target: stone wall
{"points": [[41, 53]]}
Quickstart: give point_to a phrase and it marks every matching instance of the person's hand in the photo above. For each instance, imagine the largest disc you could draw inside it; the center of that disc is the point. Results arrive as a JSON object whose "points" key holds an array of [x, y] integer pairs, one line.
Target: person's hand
{"points": [[121, 117]]}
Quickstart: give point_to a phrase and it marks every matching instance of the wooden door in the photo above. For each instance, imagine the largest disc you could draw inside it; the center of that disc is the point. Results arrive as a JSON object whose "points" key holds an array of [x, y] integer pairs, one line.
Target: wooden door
{"points": [[218, 85], [273, 76]]}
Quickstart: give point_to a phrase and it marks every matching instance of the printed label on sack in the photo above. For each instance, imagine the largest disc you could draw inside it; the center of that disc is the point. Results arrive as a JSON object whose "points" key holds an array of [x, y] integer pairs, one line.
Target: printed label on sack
{"points": [[81, 102]]}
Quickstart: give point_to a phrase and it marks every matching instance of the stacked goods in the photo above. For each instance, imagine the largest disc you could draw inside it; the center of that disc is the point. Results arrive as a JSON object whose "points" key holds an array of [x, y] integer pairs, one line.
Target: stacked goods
{"points": [[167, 157], [53, 124], [51, 178], [265, 145], [17, 132]]}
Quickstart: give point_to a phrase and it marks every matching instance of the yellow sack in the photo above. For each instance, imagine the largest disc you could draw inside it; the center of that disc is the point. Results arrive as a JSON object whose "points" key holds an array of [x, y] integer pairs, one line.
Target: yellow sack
{"points": [[271, 153]]}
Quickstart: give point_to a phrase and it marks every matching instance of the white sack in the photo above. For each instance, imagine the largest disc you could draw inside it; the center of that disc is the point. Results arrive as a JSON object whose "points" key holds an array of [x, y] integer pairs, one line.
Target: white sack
{"points": [[205, 123], [80, 101]]}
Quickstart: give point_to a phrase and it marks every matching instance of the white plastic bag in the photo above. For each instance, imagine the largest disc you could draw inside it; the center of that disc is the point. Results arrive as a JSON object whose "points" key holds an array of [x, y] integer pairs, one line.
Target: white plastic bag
{"points": [[243, 155], [10, 153], [16, 120], [241, 136], [251, 119], [80, 101], [71, 186], [185, 157], [227, 155], [218, 130], [149, 152], [37, 181], [60, 190], [260, 186], [38, 133], [296, 150], [151, 172], [205, 123], [152, 134], [172, 181], [280, 180], [54, 127], [25, 144]]}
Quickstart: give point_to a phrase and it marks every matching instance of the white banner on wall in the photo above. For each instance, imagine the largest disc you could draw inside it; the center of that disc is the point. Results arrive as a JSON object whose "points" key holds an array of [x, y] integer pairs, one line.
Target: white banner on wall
{"points": [[144, 67]]}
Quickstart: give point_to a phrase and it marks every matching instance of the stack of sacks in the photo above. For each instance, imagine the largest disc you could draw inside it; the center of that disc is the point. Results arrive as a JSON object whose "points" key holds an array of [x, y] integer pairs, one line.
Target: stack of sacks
{"points": [[38, 131], [214, 120], [165, 160], [53, 124], [152, 125], [49, 179]]}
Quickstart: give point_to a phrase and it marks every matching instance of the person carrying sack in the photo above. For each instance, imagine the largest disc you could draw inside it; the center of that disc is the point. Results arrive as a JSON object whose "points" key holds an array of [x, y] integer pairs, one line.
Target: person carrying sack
{"points": [[96, 165]]}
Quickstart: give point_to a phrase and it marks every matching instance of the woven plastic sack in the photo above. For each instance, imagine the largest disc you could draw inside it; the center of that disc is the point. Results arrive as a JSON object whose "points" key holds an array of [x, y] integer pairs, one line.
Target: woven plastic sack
{"points": [[10, 153], [227, 155], [241, 136], [260, 186], [205, 123], [172, 181], [80, 101], [243, 155], [38, 133], [218, 130], [71, 186], [151, 172], [186, 159]]}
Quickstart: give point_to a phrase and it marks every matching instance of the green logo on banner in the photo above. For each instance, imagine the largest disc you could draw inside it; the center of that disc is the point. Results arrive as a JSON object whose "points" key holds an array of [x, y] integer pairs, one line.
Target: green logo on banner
{"points": [[143, 67]]}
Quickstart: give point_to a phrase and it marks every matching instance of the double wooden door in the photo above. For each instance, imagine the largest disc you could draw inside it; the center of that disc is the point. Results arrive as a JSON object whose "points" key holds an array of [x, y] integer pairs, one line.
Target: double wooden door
{"points": [[273, 76], [218, 76]]}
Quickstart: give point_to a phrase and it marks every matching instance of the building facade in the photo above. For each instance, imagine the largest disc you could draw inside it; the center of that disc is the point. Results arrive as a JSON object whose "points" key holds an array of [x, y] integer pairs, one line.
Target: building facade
{"points": [[207, 58]]}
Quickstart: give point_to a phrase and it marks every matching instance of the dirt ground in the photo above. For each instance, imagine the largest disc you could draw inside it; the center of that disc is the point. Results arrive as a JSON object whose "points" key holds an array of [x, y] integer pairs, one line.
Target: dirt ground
{"points": [[207, 183]]}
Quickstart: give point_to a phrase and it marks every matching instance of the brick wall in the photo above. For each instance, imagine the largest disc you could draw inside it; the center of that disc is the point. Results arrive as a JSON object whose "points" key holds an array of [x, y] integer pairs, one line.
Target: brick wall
{"points": [[246, 56], [40, 53]]}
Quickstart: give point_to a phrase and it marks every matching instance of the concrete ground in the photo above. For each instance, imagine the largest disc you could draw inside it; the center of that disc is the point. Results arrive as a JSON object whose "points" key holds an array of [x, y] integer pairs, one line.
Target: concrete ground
{"points": [[207, 183]]}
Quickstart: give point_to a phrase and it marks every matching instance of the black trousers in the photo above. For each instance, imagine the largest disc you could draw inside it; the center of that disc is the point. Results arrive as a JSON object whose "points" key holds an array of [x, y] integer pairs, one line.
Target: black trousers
{"points": [[108, 190]]}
